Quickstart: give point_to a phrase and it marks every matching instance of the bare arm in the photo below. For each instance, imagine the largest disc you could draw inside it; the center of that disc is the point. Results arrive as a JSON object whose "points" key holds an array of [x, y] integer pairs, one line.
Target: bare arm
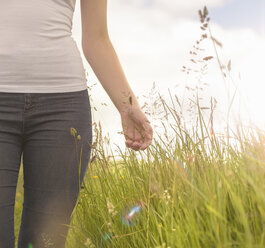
{"points": [[100, 54]]}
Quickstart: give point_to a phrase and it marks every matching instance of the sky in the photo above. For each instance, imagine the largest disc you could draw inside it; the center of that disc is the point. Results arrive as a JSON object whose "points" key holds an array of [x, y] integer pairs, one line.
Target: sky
{"points": [[241, 14], [153, 38]]}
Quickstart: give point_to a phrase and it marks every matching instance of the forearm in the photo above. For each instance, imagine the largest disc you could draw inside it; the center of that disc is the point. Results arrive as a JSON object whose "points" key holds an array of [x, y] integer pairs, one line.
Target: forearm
{"points": [[105, 63]]}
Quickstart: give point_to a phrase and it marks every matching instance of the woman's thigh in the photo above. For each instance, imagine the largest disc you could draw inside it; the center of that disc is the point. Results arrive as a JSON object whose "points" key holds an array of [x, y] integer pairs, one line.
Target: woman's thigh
{"points": [[11, 111], [56, 150]]}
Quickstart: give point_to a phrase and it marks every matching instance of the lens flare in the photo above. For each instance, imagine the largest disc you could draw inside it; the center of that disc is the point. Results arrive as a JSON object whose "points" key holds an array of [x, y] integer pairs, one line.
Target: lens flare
{"points": [[106, 237], [30, 245], [130, 216]]}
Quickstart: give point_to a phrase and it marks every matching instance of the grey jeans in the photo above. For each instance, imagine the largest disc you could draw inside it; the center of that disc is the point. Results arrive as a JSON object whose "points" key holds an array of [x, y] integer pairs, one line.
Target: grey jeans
{"points": [[37, 128]]}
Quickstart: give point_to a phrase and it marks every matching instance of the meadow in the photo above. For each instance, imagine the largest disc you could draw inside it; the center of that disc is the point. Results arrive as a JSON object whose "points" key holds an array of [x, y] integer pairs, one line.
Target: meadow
{"points": [[191, 188]]}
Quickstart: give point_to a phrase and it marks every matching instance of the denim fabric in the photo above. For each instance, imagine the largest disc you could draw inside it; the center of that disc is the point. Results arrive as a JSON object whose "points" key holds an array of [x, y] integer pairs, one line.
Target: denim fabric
{"points": [[35, 128]]}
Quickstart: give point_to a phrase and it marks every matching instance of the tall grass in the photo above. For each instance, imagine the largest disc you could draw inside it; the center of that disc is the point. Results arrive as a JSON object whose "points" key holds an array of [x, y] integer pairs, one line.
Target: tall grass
{"points": [[188, 198], [194, 188]]}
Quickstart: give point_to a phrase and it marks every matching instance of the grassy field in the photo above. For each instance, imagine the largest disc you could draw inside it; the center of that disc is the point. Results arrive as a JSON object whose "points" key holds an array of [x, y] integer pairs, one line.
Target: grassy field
{"points": [[19, 202], [189, 196], [186, 192], [189, 189]]}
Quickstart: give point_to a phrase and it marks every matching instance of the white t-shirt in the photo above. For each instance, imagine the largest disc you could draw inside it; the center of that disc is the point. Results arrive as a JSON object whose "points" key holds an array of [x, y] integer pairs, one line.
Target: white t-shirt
{"points": [[37, 51]]}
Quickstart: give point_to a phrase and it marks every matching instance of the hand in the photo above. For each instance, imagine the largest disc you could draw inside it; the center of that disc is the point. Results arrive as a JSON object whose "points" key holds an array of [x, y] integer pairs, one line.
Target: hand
{"points": [[136, 129]]}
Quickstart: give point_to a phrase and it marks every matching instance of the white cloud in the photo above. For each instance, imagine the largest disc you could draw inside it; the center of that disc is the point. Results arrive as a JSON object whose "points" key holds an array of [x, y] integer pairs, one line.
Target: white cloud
{"points": [[180, 8]]}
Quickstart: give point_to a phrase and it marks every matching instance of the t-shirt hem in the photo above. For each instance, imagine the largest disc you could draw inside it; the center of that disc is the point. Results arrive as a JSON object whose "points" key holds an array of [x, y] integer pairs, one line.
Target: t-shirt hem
{"points": [[42, 89]]}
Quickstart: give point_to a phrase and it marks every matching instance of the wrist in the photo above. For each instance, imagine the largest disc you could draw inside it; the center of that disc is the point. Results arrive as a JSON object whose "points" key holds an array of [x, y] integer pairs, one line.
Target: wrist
{"points": [[129, 105]]}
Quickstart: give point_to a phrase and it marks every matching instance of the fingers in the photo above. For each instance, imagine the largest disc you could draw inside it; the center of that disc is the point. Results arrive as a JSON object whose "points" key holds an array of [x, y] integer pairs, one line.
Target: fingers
{"points": [[131, 139], [140, 140], [138, 135], [128, 142], [136, 142]]}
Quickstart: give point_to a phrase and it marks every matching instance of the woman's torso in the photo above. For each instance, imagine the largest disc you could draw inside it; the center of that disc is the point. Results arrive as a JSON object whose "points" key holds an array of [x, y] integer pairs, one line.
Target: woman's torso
{"points": [[37, 51]]}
